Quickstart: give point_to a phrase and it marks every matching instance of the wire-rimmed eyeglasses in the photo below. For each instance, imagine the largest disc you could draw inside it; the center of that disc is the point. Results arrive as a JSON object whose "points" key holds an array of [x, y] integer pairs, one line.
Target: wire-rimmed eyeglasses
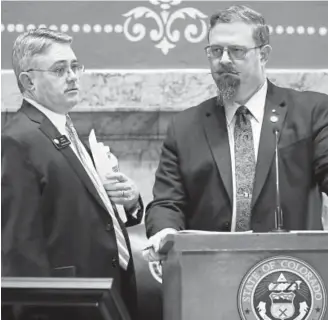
{"points": [[234, 52], [60, 71]]}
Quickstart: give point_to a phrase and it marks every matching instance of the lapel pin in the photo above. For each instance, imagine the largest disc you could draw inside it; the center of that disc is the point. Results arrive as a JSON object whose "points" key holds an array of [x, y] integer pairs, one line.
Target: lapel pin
{"points": [[61, 142], [274, 119]]}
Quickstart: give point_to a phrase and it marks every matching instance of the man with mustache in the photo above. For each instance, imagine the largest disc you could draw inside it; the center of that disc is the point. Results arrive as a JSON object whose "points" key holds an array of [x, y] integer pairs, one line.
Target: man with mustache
{"points": [[217, 169], [59, 217]]}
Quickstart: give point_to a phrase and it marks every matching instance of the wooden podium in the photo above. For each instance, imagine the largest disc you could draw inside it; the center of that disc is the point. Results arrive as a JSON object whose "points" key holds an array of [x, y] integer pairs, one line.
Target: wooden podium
{"points": [[232, 276]]}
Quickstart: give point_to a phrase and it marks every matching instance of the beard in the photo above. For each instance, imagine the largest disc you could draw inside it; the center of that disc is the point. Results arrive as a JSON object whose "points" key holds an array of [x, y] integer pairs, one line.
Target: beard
{"points": [[228, 86], [227, 82]]}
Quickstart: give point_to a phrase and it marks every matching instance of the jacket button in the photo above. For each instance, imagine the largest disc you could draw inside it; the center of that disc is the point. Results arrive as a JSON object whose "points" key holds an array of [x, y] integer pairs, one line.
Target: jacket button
{"points": [[109, 227], [114, 262]]}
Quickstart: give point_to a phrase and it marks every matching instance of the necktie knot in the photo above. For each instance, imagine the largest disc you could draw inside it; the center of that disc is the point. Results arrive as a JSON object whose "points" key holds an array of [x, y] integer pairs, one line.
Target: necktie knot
{"points": [[72, 134], [69, 122], [242, 110]]}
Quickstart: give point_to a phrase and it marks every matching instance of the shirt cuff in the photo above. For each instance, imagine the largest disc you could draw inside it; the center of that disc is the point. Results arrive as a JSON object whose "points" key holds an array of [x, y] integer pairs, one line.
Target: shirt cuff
{"points": [[133, 212]]}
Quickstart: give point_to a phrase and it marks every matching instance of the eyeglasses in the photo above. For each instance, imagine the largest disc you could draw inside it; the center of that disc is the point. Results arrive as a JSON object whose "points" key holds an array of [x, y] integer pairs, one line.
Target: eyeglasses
{"points": [[234, 52], [63, 70]]}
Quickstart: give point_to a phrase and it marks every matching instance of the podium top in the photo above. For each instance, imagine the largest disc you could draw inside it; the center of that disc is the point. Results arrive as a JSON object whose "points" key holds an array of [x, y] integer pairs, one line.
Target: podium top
{"points": [[245, 241]]}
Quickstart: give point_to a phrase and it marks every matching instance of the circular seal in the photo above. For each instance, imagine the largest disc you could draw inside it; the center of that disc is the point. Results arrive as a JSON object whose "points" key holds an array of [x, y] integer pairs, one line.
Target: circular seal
{"points": [[282, 288], [155, 268]]}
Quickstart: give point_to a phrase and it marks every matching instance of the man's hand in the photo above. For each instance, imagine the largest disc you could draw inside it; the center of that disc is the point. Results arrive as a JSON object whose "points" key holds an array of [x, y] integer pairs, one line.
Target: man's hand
{"points": [[121, 189], [155, 244]]}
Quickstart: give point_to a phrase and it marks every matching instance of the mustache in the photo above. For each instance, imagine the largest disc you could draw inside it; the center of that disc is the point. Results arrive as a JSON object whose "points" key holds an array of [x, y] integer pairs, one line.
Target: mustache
{"points": [[226, 69]]}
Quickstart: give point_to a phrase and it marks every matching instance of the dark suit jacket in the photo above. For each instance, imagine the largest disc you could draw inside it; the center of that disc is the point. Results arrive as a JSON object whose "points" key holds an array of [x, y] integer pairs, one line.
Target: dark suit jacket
{"points": [[53, 220], [193, 187]]}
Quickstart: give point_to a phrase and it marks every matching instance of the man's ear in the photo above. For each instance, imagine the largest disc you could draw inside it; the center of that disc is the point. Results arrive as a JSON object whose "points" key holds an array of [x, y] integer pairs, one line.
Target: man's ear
{"points": [[27, 81], [265, 53]]}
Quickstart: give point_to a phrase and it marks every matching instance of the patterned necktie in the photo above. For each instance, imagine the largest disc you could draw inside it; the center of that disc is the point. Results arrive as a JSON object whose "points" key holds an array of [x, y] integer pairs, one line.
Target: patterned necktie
{"points": [[123, 252], [245, 168]]}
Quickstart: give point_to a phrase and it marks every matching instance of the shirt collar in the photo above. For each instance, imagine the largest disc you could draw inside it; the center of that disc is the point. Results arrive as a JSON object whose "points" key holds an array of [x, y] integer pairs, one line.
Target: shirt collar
{"points": [[58, 119], [255, 105]]}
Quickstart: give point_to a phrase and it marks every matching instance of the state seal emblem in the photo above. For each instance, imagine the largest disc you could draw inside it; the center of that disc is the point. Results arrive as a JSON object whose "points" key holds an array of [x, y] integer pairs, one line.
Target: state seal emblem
{"points": [[155, 268], [282, 288]]}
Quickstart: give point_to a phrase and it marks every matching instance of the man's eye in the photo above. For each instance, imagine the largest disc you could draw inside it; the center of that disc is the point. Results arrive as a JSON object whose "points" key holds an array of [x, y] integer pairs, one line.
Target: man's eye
{"points": [[75, 67], [216, 49], [236, 49], [60, 71]]}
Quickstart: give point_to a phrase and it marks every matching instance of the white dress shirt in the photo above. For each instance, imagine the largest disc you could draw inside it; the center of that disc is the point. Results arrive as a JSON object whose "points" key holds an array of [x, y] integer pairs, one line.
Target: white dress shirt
{"points": [[256, 106]]}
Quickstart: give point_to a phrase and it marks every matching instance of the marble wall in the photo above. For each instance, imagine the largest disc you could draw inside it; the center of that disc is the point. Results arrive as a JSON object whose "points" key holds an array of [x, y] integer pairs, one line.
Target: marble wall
{"points": [[130, 111]]}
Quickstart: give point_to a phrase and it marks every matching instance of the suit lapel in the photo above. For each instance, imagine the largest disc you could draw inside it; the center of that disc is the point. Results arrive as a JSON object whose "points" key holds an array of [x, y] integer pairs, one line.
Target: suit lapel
{"points": [[215, 126], [274, 101], [48, 128]]}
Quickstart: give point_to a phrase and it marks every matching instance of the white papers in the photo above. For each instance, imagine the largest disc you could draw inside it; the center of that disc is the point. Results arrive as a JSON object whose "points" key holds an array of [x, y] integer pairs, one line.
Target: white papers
{"points": [[99, 155], [103, 164]]}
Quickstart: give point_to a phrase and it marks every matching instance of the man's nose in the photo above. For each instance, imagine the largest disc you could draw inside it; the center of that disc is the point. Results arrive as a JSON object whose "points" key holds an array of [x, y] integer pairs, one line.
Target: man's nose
{"points": [[71, 75], [225, 56]]}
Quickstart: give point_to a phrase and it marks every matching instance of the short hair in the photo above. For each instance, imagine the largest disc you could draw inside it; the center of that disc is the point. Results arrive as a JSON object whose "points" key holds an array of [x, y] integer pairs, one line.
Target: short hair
{"points": [[32, 43], [261, 33]]}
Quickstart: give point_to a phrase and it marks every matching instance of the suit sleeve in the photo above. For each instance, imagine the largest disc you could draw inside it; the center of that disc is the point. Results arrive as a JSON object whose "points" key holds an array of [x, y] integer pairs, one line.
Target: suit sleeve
{"points": [[167, 210], [23, 241], [320, 131]]}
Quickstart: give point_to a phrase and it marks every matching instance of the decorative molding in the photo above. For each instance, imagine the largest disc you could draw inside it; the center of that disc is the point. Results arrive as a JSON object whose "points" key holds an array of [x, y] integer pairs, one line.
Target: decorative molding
{"points": [[138, 23], [163, 26], [164, 36], [162, 20], [164, 33]]}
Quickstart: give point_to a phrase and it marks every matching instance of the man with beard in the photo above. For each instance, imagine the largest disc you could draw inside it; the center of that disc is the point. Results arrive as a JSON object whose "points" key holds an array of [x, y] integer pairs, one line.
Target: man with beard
{"points": [[217, 169]]}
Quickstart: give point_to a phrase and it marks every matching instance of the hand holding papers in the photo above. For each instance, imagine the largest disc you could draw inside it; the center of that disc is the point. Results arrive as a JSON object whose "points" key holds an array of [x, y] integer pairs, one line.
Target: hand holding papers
{"points": [[106, 165], [105, 162], [120, 189]]}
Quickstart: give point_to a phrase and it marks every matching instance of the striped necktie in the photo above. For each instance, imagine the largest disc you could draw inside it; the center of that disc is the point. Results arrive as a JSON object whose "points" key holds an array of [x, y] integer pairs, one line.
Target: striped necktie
{"points": [[244, 168], [123, 252]]}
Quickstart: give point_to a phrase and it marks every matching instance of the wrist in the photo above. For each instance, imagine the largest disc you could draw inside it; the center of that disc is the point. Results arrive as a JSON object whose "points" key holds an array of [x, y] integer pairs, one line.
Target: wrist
{"points": [[133, 206]]}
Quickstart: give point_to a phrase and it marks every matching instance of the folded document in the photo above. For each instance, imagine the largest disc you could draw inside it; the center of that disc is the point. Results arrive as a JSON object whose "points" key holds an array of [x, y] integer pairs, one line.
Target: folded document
{"points": [[105, 163]]}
